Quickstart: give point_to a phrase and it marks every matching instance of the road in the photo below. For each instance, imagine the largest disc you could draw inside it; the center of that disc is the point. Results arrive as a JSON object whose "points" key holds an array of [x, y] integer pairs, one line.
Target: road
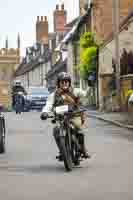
{"points": [[29, 170]]}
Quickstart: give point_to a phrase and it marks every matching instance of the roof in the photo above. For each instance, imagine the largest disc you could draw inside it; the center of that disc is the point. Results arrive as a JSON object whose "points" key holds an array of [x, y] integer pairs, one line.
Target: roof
{"points": [[52, 35], [57, 67], [26, 67], [72, 23], [75, 29], [78, 22]]}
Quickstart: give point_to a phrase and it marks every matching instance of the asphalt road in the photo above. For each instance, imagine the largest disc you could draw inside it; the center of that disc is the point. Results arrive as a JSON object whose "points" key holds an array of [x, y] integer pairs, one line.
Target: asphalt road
{"points": [[29, 170]]}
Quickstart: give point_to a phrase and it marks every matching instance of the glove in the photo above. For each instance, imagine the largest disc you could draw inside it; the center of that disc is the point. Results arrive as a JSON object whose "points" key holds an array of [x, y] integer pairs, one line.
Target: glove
{"points": [[44, 116]]}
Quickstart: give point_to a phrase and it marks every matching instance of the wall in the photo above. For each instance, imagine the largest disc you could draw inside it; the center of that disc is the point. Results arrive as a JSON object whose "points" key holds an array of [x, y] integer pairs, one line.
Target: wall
{"points": [[5, 97], [102, 16], [9, 58], [70, 60], [35, 77], [107, 53], [126, 85]]}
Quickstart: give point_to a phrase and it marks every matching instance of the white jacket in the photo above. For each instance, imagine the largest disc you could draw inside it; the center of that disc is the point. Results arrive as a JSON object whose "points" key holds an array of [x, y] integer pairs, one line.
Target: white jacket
{"points": [[49, 104]]}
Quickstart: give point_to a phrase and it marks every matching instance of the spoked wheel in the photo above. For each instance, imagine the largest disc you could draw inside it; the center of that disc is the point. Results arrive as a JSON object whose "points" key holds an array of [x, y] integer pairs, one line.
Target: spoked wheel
{"points": [[2, 135], [66, 153], [76, 158], [75, 154]]}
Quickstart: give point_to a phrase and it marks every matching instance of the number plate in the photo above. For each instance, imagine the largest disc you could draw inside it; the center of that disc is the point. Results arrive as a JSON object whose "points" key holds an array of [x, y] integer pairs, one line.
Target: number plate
{"points": [[61, 109]]}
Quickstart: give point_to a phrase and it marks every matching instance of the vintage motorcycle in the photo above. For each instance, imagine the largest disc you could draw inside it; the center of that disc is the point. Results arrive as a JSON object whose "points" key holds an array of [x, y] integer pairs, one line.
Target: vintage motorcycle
{"points": [[69, 142]]}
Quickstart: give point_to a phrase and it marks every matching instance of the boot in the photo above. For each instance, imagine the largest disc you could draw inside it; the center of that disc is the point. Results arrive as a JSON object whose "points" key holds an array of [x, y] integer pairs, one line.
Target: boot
{"points": [[83, 148], [59, 157]]}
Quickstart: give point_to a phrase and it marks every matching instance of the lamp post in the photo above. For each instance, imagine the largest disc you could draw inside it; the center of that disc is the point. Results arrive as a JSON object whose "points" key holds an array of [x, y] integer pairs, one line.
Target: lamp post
{"points": [[116, 23]]}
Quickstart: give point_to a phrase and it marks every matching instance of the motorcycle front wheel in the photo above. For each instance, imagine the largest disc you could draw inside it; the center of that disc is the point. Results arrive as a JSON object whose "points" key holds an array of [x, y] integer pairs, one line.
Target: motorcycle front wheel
{"points": [[66, 153]]}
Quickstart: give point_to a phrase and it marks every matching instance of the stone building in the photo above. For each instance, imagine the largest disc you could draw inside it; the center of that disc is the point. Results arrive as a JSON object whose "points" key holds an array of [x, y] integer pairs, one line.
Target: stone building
{"points": [[41, 57], [34, 67], [9, 59]]}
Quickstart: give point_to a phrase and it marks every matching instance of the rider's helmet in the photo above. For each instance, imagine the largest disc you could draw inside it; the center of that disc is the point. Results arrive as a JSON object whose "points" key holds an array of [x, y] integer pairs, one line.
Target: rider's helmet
{"points": [[62, 77], [20, 93], [17, 82]]}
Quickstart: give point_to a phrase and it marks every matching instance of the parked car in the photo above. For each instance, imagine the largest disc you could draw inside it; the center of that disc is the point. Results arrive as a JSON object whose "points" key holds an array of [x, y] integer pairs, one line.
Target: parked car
{"points": [[36, 98]]}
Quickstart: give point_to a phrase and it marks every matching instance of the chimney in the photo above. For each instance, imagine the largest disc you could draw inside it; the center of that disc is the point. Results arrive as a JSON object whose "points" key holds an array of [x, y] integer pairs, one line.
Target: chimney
{"points": [[37, 18], [60, 19], [62, 6], [57, 7], [42, 30]]}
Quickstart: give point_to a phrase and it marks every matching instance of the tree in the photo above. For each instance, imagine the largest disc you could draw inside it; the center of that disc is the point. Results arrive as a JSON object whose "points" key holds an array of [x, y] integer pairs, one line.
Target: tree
{"points": [[88, 54]]}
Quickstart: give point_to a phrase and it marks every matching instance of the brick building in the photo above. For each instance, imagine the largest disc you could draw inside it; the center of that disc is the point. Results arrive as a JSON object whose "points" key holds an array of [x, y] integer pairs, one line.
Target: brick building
{"points": [[106, 56], [102, 16]]}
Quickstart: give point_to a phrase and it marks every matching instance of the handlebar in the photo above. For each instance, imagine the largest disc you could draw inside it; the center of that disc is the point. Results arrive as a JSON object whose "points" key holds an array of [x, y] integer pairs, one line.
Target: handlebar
{"points": [[69, 113]]}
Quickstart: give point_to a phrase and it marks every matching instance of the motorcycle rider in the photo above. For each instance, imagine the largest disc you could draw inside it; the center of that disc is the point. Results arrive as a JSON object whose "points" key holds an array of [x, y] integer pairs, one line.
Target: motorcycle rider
{"points": [[64, 95], [19, 102], [17, 87]]}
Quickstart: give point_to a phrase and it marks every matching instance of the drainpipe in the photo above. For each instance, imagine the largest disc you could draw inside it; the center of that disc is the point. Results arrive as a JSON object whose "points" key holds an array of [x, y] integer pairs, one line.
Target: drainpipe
{"points": [[28, 79], [97, 78], [116, 23]]}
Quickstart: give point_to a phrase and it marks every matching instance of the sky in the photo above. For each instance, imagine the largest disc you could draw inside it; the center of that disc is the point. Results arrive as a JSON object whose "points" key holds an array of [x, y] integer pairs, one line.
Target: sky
{"points": [[19, 16]]}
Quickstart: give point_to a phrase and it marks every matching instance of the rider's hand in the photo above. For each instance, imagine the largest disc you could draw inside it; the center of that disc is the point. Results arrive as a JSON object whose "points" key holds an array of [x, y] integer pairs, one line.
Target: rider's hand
{"points": [[83, 117], [44, 116]]}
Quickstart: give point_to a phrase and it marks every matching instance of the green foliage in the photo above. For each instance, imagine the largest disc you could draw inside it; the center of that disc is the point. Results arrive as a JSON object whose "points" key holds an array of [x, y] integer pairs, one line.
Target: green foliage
{"points": [[83, 70], [87, 40], [88, 54], [114, 93], [128, 93], [88, 57]]}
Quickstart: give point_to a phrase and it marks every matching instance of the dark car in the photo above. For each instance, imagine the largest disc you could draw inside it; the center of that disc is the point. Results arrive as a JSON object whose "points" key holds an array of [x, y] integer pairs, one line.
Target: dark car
{"points": [[36, 98]]}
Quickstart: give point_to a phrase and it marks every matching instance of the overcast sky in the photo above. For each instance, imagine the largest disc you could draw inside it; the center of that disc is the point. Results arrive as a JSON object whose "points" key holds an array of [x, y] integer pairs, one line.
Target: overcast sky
{"points": [[20, 16]]}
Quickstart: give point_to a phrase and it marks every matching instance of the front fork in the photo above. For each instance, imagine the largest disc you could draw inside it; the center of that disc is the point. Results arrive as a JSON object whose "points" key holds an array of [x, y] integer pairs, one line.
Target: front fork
{"points": [[60, 132]]}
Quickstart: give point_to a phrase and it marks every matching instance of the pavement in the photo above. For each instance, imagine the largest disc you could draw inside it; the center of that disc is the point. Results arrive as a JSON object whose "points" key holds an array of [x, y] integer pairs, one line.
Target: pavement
{"points": [[29, 169], [121, 119]]}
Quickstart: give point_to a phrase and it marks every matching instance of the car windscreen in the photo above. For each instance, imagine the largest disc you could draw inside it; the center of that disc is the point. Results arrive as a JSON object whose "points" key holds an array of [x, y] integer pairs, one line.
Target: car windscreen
{"points": [[38, 91]]}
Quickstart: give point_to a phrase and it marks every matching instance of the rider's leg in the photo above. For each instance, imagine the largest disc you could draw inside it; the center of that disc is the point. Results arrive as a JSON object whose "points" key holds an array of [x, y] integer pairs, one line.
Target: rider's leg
{"points": [[76, 121], [81, 138]]}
